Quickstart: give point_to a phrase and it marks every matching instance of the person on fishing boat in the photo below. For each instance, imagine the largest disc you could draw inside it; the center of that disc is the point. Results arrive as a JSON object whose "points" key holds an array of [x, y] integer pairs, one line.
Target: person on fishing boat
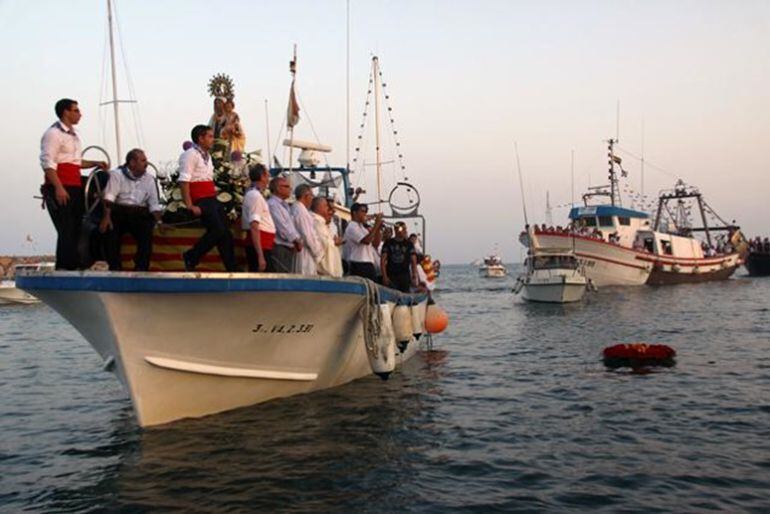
{"points": [[331, 261], [362, 242], [63, 194], [399, 261], [196, 179], [307, 259], [257, 222], [287, 239], [131, 205]]}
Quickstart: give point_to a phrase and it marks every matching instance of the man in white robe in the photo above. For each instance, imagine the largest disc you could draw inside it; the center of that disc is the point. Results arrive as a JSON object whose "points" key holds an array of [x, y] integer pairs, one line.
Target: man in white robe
{"points": [[331, 262], [306, 262]]}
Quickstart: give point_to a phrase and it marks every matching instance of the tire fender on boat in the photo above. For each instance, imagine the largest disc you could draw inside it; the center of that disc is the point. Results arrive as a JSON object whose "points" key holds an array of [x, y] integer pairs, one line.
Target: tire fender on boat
{"points": [[418, 319], [383, 359], [402, 326]]}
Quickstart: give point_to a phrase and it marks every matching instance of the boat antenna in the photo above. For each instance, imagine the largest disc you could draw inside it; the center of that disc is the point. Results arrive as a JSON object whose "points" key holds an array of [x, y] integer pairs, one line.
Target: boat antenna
{"points": [[642, 163], [572, 178], [617, 122], [521, 184]]}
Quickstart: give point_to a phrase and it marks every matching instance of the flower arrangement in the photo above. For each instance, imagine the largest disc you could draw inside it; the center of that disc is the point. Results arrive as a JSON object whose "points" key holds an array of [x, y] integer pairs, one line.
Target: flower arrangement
{"points": [[231, 178]]}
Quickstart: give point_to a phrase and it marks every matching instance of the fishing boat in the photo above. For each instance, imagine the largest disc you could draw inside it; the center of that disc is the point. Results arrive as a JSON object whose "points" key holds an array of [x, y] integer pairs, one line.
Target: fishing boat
{"points": [[622, 246], [758, 259], [492, 267], [190, 344]]}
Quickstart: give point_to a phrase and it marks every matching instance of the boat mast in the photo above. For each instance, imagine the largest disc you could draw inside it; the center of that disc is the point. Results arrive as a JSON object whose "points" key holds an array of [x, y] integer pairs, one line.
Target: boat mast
{"points": [[267, 132], [376, 73], [347, 85], [614, 192], [703, 217], [114, 82], [293, 71]]}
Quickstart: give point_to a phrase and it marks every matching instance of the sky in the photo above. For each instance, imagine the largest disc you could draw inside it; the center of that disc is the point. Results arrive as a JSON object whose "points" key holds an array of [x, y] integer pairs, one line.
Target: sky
{"points": [[467, 80]]}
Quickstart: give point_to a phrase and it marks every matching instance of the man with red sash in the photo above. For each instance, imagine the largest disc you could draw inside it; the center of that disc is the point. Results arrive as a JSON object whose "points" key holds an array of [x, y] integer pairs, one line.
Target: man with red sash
{"points": [[63, 189], [257, 222], [196, 179]]}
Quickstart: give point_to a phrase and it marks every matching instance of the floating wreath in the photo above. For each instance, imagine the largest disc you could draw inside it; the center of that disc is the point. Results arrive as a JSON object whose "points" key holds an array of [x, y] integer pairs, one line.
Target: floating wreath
{"points": [[221, 86]]}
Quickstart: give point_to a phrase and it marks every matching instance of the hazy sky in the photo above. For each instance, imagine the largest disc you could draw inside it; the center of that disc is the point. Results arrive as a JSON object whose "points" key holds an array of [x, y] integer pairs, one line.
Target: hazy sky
{"points": [[466, 80]]}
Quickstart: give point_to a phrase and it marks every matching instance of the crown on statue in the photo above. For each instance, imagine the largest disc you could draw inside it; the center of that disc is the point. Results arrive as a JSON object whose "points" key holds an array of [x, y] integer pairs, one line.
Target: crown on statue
{"points": [[221, 86]]}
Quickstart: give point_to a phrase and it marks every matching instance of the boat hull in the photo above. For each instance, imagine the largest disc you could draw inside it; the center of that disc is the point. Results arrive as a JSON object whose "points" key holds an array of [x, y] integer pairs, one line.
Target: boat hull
{"points": [[758, 264], [186, 347], [668, 271], [11, 295], [605, 264], [492, 271], [555, 292]]}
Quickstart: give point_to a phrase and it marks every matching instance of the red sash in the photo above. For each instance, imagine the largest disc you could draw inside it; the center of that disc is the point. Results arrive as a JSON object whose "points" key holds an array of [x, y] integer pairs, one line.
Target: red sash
{"points": [[69, 174], [201, 190], [267, 240]]}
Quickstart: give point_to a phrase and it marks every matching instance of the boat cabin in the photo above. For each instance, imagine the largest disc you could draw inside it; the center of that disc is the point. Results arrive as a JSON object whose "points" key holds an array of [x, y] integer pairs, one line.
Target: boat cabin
{"points": [[663, 244], [620, 223]]}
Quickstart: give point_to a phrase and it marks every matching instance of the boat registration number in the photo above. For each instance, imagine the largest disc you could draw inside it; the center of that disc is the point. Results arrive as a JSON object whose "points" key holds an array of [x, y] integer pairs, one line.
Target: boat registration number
{"points": [[261, 328]]}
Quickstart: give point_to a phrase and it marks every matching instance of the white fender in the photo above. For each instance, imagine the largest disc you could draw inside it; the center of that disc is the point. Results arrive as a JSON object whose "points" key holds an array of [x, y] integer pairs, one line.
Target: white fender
{"points": [[418, 319], [383, 359], [402, 326]]}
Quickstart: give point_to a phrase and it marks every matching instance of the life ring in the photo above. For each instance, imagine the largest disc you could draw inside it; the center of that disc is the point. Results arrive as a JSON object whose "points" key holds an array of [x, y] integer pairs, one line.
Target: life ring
{"points": [[638, 355]]}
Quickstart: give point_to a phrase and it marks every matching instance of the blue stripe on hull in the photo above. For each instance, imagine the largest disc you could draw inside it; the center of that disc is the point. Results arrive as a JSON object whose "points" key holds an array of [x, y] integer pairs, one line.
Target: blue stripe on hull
{"points": [[74, 281]]}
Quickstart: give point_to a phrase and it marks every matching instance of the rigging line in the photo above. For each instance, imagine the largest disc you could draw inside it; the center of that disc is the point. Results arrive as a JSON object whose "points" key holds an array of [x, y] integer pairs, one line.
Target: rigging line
{"points": [[102, 87], [129, 80], [646, 162], [359, 156], [280, 133], [315, 134]]}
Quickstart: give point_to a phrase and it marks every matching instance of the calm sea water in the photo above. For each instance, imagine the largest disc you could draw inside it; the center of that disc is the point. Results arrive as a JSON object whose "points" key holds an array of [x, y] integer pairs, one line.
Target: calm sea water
{"points": [[513, 411]]}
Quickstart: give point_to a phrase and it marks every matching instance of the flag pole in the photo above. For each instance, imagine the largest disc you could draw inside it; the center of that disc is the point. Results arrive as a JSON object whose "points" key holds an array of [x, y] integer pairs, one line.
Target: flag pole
{"points": [[267, 132], [292, 100]]}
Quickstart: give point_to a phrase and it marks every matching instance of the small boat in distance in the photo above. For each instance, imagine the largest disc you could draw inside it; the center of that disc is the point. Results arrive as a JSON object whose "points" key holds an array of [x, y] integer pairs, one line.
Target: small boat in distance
{"points": [[758, 259], [492, 267]]}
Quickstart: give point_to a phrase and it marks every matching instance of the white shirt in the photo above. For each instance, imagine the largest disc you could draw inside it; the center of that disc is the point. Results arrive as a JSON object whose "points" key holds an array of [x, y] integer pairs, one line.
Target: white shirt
{"points": [[306, 261], [125, 189], [59, 144], [331, 261], [255, 209], [195, 166], [355, 250]]}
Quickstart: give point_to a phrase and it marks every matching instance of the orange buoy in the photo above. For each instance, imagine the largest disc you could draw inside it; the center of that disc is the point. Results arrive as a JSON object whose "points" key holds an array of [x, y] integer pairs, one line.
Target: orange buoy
{"points": [[436, 320]]}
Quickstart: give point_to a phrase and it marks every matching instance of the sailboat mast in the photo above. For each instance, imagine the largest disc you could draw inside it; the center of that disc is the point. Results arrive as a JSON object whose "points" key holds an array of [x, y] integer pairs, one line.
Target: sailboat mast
{"points": [[347, 85], [376, 72], [114, 82]]}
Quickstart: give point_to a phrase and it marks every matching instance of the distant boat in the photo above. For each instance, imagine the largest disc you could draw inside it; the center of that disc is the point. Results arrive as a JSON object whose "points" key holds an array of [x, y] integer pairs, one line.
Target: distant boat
{"points": [[492, 267], [11, 295], [553, 275], [758, 262]]}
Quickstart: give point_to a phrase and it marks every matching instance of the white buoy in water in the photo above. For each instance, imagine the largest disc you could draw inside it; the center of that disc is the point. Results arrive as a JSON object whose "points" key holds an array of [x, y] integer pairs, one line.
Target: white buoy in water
{"points": [[383, 358], [418, 319], [402, 326]]}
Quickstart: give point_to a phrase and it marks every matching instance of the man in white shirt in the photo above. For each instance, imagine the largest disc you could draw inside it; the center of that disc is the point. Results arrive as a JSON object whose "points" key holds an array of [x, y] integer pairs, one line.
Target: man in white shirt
{"points": [[307, 259], [331, 261], [196, 179], [257, 222], [361, 242], [287, 240], [130, 206], [60, 158]]}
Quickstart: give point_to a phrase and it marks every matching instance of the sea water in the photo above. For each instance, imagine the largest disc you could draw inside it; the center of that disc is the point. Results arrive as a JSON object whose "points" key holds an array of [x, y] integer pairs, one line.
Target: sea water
{"points": [[512, 411]]}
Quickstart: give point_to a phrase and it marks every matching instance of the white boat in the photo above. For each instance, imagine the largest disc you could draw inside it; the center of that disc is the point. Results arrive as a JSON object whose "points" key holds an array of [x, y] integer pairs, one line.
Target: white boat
{"points": [[12, 295], [621, 246], [553, 276], [191, 344], [492, 267]]}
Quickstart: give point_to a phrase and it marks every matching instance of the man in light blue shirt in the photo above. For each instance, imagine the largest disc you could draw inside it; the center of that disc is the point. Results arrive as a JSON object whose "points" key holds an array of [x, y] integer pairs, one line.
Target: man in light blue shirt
{"points": [[287, 239]]}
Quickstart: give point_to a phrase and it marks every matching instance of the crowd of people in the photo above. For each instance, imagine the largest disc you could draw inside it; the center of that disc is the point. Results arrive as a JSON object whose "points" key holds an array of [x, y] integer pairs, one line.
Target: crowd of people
{"points": [[758, 245], [304, 236]]}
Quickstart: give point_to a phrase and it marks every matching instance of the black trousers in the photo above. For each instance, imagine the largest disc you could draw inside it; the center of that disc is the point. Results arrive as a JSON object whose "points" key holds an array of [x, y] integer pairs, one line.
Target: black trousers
{"points": [[67, 220], [137, 222], [362, 269], [214, 220], [253, 262], [400, 281]]}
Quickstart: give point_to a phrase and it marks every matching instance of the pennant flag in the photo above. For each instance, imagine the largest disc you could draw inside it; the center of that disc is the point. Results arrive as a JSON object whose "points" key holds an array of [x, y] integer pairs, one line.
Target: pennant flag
{"points": [[292, 113]]}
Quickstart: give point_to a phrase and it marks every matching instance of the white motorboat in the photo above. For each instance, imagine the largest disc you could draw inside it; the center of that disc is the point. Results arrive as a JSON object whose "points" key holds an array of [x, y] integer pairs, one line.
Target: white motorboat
{"points": [[12, 295], [553, 276], [492, 267], [192, 344]]}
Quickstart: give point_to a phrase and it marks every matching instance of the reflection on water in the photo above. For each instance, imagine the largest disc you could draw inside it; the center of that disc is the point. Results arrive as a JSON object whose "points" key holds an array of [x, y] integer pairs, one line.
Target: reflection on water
{"points": [[514, 411]]}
